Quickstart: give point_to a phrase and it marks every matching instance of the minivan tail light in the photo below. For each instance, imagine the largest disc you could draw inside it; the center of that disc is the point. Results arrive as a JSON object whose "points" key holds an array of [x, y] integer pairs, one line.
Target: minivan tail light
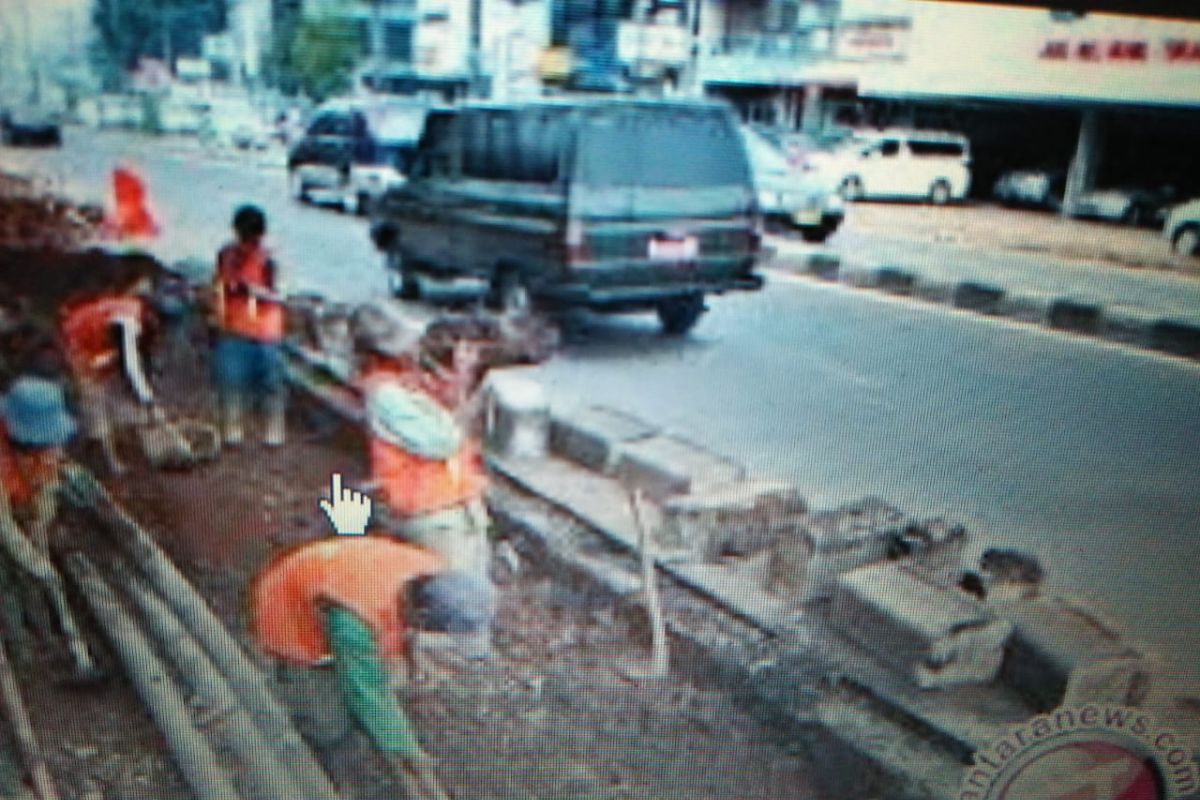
{"points": [[576, 242]]}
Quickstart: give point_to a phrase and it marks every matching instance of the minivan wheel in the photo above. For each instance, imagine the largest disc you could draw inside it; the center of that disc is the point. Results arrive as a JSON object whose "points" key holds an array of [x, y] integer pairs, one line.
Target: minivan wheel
{"points": [[509, 294], [297, 187], [851, 188], [1187, 241], [401, 280], [939, 193], [679, 315]]}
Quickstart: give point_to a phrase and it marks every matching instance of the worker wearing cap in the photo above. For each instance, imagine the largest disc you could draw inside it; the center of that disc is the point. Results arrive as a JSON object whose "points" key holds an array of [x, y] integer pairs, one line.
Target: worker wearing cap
{"points": [[427, 472], [36, 426], [103, 333], [249, 316], [353, 600]]}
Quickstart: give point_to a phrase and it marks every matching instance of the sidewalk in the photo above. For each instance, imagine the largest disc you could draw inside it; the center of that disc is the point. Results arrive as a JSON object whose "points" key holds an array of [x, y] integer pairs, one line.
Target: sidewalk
{"points": [[1153, 308]]}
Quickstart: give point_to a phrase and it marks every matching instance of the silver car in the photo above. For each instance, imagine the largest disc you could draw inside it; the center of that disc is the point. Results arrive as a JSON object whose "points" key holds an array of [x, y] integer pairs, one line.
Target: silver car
{"points": [[803, 200]]}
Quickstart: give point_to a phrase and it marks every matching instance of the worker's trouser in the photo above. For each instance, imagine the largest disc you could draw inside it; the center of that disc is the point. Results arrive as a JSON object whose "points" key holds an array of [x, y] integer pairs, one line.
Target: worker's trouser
{"points": [[365, 685], [458, 534], [107, 405]]}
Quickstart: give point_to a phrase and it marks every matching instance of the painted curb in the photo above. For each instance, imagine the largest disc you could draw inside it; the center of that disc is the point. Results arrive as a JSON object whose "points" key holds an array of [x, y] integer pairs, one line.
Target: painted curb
{"points": [[1122, 325]]}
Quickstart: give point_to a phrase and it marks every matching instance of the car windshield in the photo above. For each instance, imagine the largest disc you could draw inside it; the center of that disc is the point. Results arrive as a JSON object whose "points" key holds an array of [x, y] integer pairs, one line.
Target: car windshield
{"points": [[662, 148], [764, 156]]}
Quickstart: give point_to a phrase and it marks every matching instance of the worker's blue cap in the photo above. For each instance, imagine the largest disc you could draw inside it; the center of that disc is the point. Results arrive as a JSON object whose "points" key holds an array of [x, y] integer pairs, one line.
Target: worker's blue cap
{"points": [[35, 413], [452, 602]]}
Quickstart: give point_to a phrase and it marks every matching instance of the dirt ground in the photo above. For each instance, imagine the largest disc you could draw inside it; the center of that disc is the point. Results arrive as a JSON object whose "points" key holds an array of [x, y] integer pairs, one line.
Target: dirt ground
{"points": [[995, 227], [553, 715]]}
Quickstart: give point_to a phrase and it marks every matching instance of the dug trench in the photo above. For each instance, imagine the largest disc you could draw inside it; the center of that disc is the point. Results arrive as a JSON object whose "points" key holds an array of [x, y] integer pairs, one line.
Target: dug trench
{"points": [[554, 714]]}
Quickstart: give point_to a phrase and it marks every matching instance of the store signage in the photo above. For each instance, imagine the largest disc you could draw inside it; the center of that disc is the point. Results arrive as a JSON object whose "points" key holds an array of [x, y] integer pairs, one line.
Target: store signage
{"points": [[1169, 51]]}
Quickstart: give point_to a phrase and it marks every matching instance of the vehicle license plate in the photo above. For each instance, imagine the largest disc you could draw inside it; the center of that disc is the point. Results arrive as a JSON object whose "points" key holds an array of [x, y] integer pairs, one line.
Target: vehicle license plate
{"points": [[674, 249]]}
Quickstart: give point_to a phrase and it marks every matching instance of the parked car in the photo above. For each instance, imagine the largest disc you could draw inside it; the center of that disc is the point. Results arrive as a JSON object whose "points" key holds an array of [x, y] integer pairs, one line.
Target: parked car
{"points": [[236, 125], [352, 152], [1182, 228], [1032, 188], [611, 204], [789, 194], [902, 164], [1045, 188], [30, 128]]}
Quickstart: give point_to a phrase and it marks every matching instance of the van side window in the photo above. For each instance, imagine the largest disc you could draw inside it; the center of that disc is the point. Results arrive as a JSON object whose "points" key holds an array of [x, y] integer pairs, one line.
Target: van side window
{"points": [[929, 148], [889, 148], [539, 145], [321, 126]]}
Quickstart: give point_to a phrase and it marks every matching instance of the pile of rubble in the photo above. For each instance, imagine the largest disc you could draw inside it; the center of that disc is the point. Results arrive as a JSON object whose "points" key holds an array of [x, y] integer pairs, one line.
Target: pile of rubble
{"points": [[32, 218]]}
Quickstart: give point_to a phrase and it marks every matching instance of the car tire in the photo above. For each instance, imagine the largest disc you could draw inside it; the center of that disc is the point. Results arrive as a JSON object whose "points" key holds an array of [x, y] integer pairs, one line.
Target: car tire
{"points": [[402, 279], [298, 188], [678, 315], [815, 234], [1135, 216], [851, 188], [939, 193], [508, 293], [1186, 241]]}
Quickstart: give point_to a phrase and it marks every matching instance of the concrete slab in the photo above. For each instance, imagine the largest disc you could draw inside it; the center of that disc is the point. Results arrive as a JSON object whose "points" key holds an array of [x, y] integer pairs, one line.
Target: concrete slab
{"points": [[662, 466], [592, 435], [734, 519], [834, 542], [1060, 655], [918, 628]]}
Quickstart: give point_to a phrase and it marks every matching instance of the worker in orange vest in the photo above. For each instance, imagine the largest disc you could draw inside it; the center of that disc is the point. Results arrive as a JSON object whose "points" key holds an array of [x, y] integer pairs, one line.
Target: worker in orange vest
{"points": [[353, 601], [35, 427], [103, 333], [249, 316]]}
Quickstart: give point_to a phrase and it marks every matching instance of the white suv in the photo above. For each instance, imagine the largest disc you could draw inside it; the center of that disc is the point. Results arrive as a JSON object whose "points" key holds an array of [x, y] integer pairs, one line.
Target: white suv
{"points": [[904, 164]]}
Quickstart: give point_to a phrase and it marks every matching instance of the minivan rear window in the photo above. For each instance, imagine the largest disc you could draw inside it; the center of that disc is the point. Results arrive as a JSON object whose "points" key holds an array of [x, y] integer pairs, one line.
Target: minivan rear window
{"points": [[661, 148], [928, 148]]}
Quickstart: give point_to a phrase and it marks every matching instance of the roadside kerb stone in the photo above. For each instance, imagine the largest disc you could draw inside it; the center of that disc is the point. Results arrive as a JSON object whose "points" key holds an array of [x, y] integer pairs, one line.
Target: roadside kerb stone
{"points": [[824, 266], [895, 280], [1177, 338], [859, 277], [938, 636], [979, 297], [592, 436], [933, 291], [1060, 655], [663, 466], [1023, 307], [517, 416], [1075, 316], [1129, 326], [806, 566], [737, 519]]}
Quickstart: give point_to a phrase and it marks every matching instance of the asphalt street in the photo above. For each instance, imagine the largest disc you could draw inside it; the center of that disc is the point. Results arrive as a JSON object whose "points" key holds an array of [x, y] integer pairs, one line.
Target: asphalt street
{"points": [[1084, 453]]}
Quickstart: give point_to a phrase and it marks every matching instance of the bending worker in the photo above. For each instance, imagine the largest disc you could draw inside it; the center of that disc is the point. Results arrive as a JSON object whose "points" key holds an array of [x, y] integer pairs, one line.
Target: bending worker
{"points": [[250, 318], [36, 426], [353, 599], [103, 334]]}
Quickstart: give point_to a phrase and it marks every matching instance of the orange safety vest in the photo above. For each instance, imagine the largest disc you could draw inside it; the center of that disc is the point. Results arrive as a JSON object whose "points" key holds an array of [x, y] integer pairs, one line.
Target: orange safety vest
{"points": [[363, 574], [240, 265], [86, 332], [131, 217], [25, 474], [411, 485]]}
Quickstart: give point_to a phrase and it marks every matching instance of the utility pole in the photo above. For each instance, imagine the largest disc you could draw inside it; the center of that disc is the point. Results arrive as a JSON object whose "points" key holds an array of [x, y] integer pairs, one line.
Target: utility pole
{"points": [[474, 57], [31, 64]]}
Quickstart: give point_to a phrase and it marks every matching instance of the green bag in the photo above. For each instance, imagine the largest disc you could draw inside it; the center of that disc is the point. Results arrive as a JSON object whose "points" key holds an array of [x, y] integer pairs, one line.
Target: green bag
{"points": [[364, 683]]}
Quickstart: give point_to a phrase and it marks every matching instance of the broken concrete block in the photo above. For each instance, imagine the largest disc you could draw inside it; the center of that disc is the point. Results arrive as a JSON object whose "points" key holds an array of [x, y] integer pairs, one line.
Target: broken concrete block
{"points": [[517, 416], [662, 466], [938, 636], [932, 547], [1009, 575], [591, 436], [1063, 655], [807, 565], [737, 519]]}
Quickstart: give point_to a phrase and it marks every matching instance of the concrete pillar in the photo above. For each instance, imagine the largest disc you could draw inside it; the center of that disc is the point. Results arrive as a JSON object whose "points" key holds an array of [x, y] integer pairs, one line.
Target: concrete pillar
{"points": [[1086, 163], [810, 111]]}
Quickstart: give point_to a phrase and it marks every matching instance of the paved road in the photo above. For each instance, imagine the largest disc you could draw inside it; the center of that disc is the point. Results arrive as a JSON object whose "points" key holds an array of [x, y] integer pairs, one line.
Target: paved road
{"points": [[1085, 453]]}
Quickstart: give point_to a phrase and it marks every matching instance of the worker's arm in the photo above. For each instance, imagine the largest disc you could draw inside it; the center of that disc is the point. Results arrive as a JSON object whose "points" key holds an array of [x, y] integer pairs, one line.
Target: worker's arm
{"points": [[131, 360]]}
